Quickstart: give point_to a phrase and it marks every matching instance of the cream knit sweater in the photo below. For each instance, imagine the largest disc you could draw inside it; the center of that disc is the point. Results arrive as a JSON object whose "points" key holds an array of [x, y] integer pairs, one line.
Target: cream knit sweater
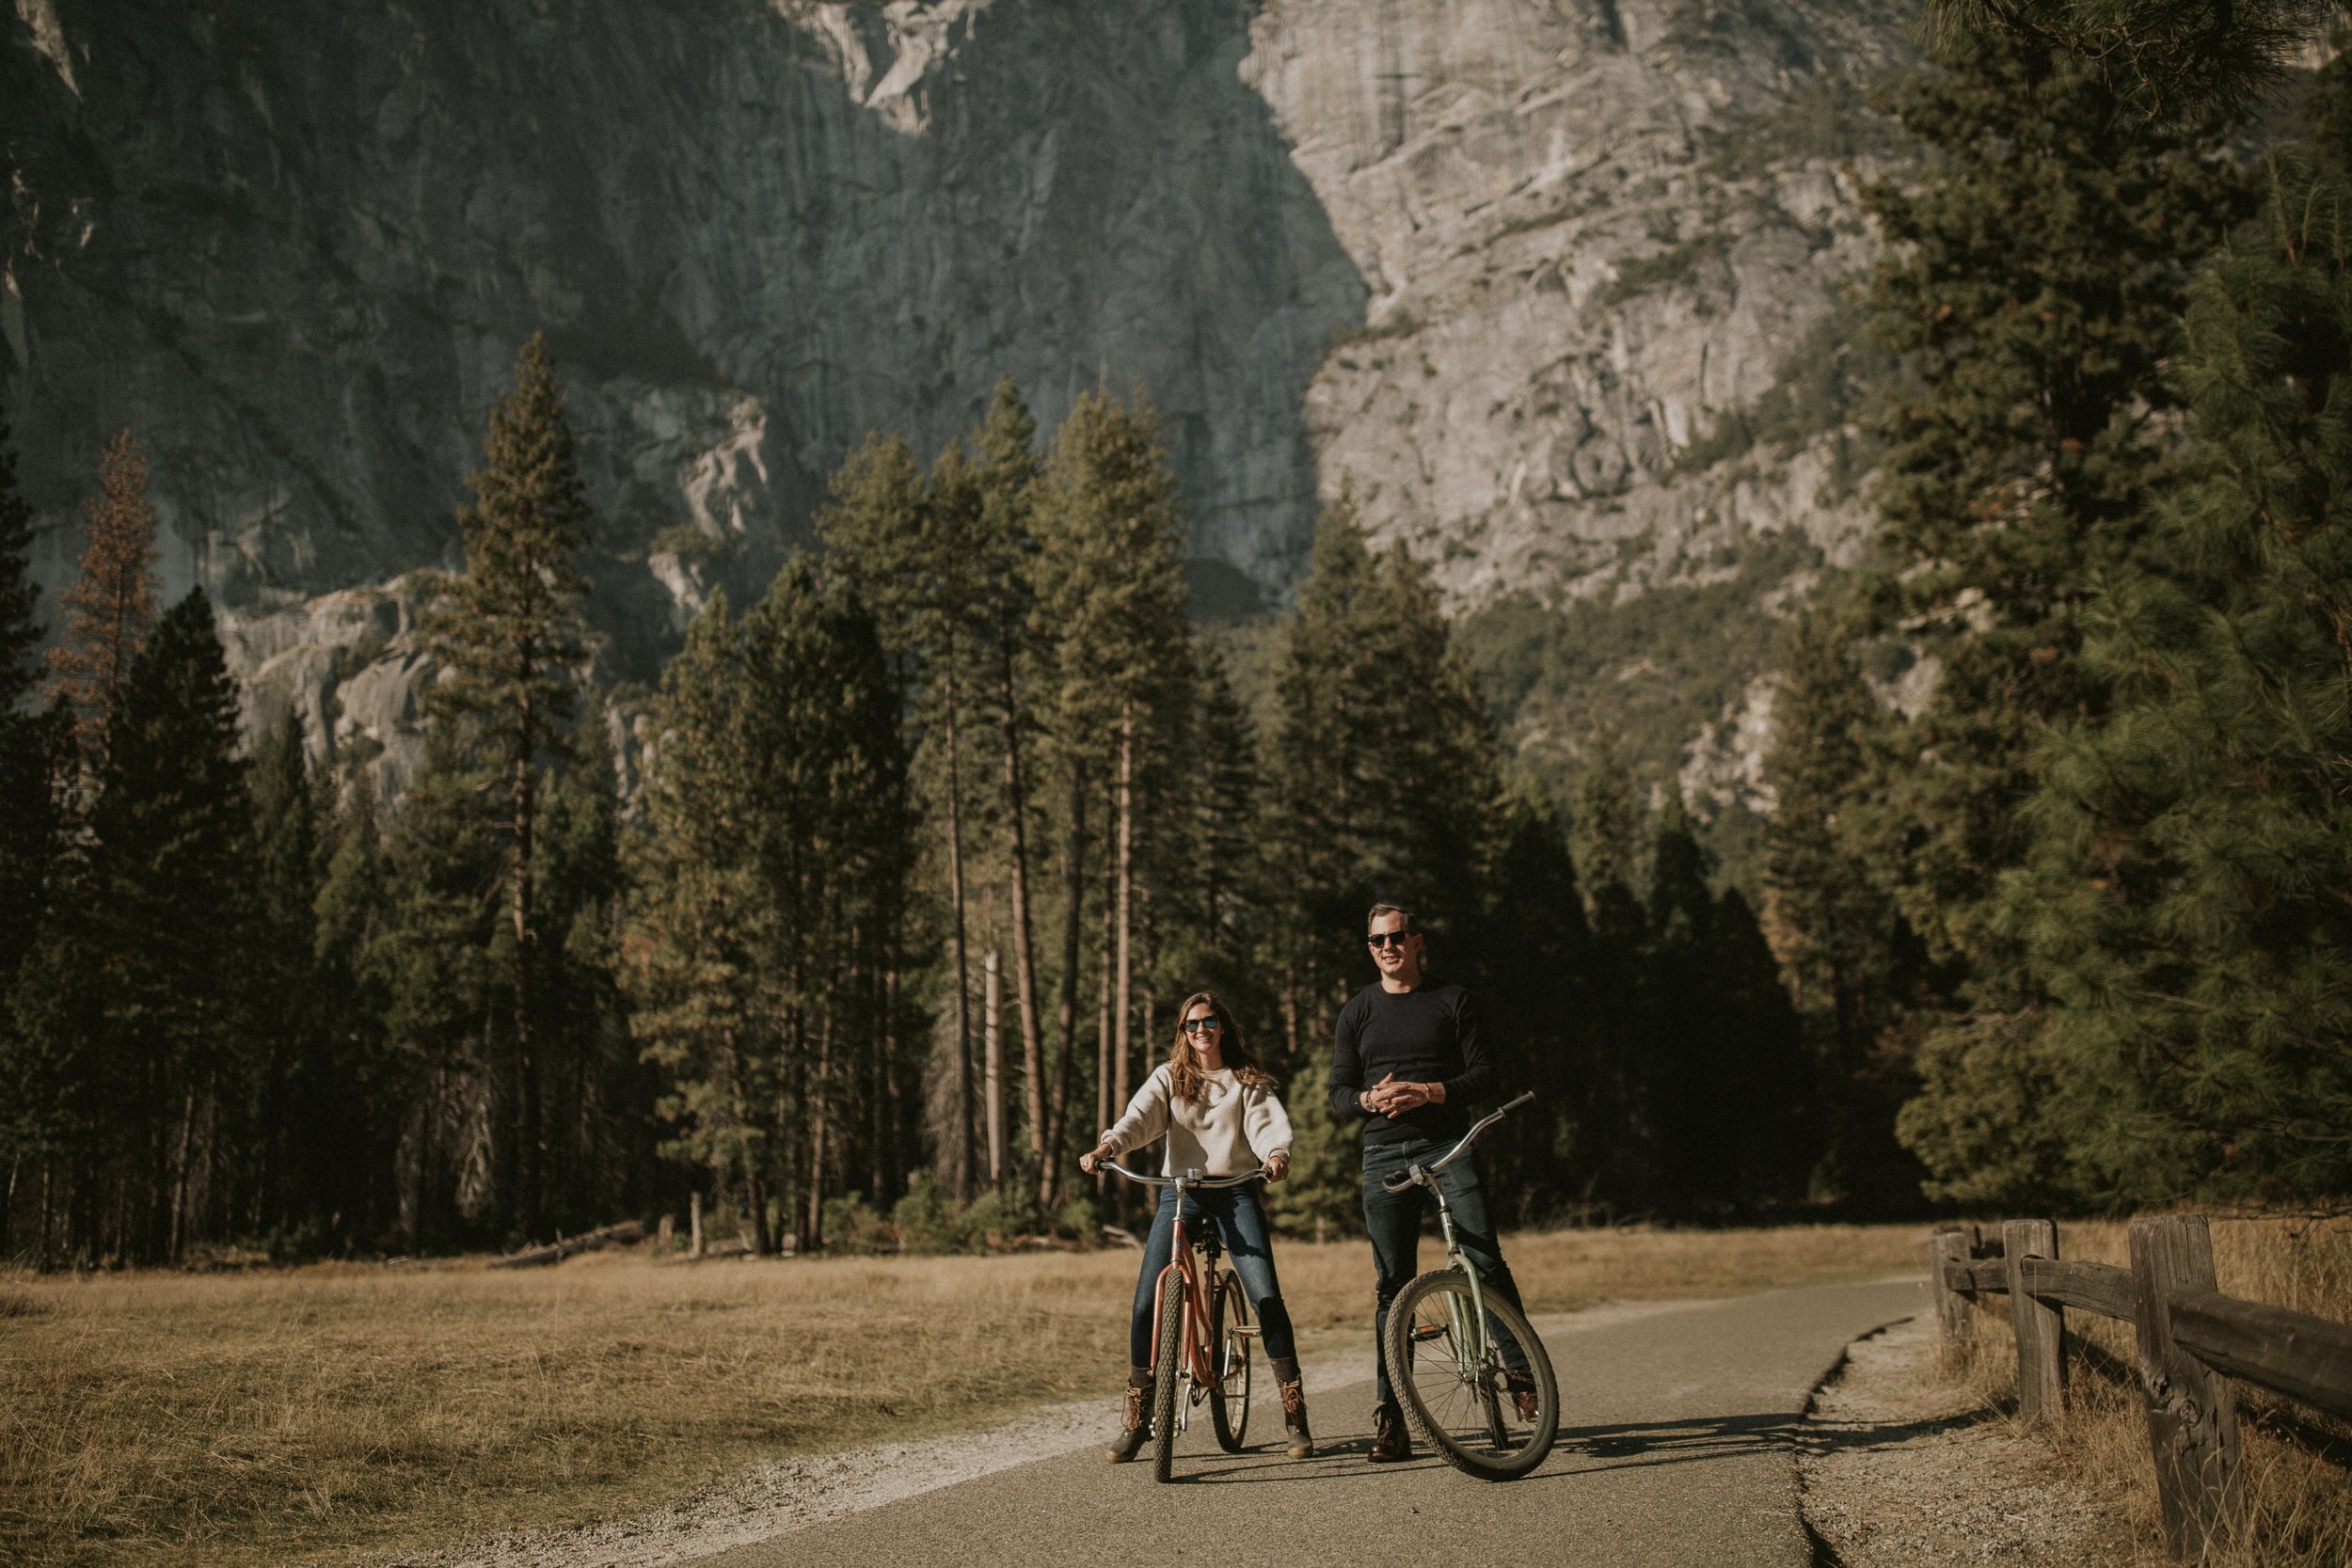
{"points": [[1227, 1131]]}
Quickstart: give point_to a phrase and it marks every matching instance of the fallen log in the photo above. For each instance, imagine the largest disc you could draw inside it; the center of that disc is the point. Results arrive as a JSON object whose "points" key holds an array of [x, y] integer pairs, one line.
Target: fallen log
{"points": [[612, 1235]]}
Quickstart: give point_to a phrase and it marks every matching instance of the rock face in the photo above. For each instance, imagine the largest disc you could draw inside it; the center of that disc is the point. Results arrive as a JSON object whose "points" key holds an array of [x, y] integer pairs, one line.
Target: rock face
{"points": [[1495, 264]]}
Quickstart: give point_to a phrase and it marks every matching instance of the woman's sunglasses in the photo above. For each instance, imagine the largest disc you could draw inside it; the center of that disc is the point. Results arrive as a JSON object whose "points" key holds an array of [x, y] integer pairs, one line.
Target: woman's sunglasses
{"points": [[1199, 1025]]}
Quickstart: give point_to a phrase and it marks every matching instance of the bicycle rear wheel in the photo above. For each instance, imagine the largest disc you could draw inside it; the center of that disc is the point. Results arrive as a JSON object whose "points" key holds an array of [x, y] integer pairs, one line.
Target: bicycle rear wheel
{"points": [[1229, 1402], [1167, 1360], [1454, 1395]]}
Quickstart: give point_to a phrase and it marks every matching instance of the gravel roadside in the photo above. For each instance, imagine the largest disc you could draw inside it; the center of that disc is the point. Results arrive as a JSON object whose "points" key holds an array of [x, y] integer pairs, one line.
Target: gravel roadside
{"points": [[1900, 1470]]}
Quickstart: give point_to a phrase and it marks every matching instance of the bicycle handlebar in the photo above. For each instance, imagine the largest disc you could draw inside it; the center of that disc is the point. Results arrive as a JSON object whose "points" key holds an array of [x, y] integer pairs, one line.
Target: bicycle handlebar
{"points": [[1404, 1178], [1187, 1180]]}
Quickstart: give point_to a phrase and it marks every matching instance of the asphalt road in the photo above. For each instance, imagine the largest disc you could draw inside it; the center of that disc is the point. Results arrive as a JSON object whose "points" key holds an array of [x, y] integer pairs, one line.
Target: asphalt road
{"points": [[1674, 1450]]}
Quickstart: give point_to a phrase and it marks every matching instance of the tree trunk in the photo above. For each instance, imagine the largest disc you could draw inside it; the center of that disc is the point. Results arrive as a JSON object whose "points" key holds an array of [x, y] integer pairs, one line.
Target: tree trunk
{"points": [[1107, 1073], [1066, 1014], [1123, 1013], [179, 1176], [993, 1026], [526, 1067], [1024, 949], [812, 1238], [964, 1156]]}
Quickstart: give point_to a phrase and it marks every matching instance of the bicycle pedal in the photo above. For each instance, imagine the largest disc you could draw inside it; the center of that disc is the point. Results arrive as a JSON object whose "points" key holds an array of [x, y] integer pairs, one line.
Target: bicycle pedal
{"points": [[1430, 1331], [1252, 1329]]}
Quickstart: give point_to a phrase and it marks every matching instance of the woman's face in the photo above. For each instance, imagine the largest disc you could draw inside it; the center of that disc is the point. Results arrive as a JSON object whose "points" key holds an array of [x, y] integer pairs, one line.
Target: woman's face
{"points": [[1205, 1032]]}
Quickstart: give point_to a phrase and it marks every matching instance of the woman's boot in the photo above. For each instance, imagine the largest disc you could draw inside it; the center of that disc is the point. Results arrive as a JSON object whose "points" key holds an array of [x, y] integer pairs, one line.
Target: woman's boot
{"points": [[1136, 1425], [1293, 1391]]}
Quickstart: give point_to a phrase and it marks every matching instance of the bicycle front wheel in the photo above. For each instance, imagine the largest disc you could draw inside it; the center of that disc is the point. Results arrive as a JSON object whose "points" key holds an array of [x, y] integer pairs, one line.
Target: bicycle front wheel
{"points": [[1168, 1359], [1451, 1374], [1229, 1402]]}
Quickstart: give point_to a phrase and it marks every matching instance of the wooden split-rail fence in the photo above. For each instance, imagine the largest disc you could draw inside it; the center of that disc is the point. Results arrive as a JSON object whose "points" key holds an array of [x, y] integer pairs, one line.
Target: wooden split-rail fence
{"points": [[2191, 1342]]}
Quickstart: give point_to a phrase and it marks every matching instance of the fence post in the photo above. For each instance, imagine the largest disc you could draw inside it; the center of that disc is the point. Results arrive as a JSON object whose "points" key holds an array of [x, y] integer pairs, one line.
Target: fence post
{"points": [[1950, 1244], [2040, 1325], [2192, 1412]]}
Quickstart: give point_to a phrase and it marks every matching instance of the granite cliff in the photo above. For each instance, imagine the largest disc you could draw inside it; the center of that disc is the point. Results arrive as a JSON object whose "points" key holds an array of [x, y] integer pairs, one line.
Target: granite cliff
{"points": [[1508, 269]]}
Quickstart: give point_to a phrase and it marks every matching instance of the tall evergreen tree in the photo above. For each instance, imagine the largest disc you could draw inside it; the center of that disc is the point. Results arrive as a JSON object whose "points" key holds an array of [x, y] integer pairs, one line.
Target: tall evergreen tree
{"points": [[1111, 598], [33, 847], [508, 634], [174, 829], [1850, 960], [2184, 907], [1004, 551], [112, 603], [2032, 287]]}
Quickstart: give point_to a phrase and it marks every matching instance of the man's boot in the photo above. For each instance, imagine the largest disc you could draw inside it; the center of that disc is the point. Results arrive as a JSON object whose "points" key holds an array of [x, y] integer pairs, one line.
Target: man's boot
{"points": [[1389, 1440], [1293, 1391], [1137, 1424]]}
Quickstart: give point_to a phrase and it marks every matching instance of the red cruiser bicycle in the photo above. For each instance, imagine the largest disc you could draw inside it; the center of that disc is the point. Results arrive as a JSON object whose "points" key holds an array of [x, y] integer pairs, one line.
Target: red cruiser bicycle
{"points": [[1200, 1330]]}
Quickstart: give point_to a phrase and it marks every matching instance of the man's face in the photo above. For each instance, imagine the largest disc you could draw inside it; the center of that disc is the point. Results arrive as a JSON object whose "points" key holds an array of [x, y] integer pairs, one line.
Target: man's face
{"points": [[1396, 950]]}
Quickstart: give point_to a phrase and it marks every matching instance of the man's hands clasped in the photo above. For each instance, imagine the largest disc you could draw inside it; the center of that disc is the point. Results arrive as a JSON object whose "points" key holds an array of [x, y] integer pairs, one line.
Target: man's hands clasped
{"points": [[1393, 1096]]}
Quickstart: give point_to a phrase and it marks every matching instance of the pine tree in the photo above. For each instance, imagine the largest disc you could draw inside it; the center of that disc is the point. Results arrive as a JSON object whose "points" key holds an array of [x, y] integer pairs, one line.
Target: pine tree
{"points": [[34, 848], [2032, 285], [112, 603], [1110, 598], [179, 920], [1851, 962], [352, 1158], [302, 1119], [910, 550], [2184, 906], [703, 997], [1535, 958], [508, 634], [2169, 58], [1004, 551], [429, 958], [1605, 827]]}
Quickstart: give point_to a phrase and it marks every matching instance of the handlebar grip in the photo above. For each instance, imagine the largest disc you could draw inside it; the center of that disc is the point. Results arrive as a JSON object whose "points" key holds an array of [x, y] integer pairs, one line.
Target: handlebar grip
{"points": [[1523, 1099], [1396, 1182]]}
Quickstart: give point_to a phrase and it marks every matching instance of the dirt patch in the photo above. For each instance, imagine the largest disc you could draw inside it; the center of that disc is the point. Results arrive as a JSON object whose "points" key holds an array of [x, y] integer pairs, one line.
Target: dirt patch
{"points": [[1900, 1470]]}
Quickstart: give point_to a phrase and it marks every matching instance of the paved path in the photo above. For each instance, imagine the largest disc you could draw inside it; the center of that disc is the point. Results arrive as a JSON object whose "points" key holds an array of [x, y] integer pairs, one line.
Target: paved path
{"points": [[1674, 1452]]}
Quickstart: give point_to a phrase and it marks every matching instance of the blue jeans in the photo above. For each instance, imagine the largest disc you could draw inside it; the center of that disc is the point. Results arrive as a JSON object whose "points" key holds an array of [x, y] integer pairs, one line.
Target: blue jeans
{"points": [[1393, 1222], [1247, 1244]]}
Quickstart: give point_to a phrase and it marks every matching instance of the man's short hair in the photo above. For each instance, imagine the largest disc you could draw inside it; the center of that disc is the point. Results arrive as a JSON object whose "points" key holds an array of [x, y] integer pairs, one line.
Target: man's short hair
{"points": [[1411, 926]]}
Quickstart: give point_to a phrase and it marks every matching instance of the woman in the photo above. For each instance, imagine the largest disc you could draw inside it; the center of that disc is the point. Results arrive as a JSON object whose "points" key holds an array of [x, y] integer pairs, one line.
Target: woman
{"points": [[1220, 1114]]}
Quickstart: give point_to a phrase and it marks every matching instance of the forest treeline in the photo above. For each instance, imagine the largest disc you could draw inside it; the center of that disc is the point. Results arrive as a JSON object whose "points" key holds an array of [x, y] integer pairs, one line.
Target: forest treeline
{"points": [[931, 837]]}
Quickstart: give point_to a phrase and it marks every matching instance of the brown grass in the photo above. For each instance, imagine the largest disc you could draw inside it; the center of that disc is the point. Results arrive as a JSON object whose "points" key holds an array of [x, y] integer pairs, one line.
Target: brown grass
{"points": [[318, 1411], [2299, 1502]]}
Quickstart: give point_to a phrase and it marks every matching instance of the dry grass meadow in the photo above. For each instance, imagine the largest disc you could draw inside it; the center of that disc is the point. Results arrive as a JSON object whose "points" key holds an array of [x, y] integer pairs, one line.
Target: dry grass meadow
{"points": [[317, 1414], [2298, 1492]]}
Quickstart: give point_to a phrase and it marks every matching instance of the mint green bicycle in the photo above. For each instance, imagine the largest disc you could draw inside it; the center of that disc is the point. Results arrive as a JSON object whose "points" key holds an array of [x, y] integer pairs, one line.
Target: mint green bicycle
{"points": [[1471, 1375]]}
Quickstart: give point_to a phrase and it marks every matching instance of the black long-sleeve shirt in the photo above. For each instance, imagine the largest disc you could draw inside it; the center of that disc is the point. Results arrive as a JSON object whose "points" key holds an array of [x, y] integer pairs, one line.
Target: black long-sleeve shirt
{"points": [[1423, 1035]]}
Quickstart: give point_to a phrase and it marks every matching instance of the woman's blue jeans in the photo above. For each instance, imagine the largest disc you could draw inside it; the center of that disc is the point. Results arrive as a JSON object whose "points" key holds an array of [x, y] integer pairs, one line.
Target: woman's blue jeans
{"points": [[1394, 1221], [1247, 1243]]}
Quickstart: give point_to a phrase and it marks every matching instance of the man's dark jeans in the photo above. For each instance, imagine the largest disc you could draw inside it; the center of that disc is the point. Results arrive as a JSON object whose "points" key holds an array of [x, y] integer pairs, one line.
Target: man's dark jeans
{"points": [[1393, 1220], [1248, 1246]]}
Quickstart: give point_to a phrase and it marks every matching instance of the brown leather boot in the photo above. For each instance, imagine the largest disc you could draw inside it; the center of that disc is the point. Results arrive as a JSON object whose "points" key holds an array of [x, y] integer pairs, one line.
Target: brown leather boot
{"points": [[1389, 1440], [1137, 1424], [1522, 1387], [1294, 1419]]}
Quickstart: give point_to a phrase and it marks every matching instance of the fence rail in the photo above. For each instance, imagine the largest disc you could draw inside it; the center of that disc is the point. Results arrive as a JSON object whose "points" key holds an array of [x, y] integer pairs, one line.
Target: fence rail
{"points": [[2191, 1342]]}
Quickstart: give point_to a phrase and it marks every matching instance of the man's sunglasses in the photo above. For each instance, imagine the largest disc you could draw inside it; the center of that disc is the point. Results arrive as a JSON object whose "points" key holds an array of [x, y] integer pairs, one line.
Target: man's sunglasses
{"points": [[1389, 939], [1195, 1025]]}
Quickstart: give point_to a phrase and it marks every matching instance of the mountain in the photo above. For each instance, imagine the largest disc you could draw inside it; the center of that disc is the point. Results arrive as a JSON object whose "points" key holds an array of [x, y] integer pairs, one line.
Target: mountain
{"points": [[1544, 282]]}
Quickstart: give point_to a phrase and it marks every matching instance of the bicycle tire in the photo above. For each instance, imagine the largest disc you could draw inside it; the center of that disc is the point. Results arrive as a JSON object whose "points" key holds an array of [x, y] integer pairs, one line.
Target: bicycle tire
{"points": [[1168, 1360], [1228, 1405], [1453, 1407]]}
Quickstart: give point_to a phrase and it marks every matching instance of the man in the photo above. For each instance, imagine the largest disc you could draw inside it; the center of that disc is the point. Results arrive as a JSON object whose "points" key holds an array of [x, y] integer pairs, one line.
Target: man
{"points": [[1407, 1058]]}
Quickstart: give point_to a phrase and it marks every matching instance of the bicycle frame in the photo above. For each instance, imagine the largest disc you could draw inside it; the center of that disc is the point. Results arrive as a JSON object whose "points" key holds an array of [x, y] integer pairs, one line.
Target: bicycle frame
{"points": [[1198, 1354], [1470, 1336]]}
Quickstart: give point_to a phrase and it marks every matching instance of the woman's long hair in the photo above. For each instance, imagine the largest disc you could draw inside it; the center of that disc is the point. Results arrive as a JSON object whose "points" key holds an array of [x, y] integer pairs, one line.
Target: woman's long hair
{"points": [[1184, 1077]]}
